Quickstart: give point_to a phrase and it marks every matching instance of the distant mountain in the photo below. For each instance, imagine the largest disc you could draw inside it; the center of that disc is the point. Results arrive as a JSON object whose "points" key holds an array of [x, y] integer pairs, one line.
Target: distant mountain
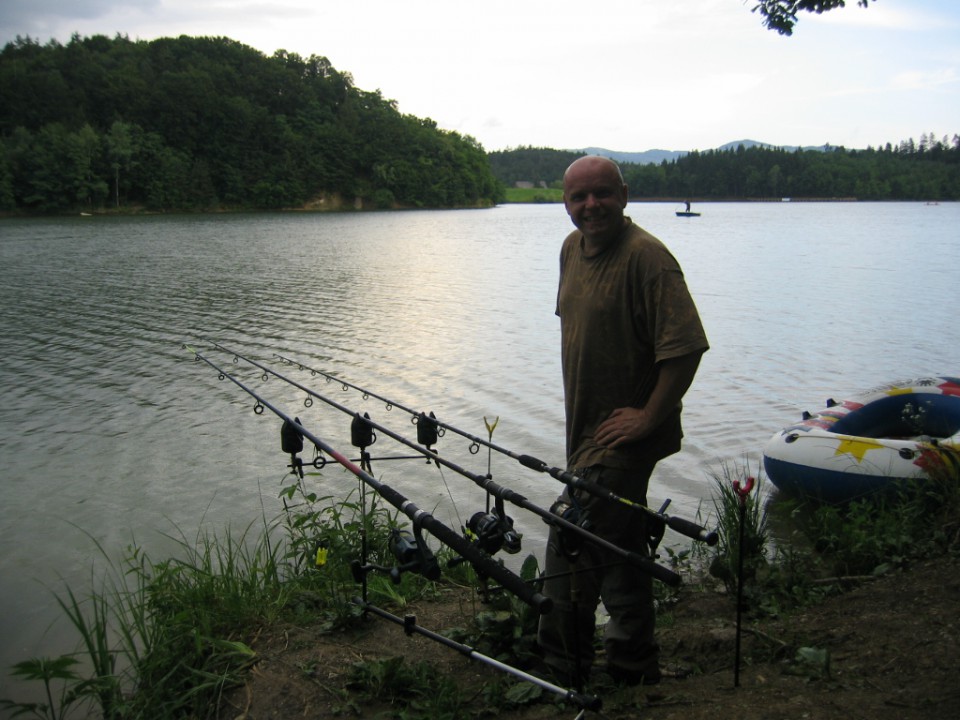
{"points": [[646, 157], [750, 170], [649, 157], [748, 144], [789, 148]]}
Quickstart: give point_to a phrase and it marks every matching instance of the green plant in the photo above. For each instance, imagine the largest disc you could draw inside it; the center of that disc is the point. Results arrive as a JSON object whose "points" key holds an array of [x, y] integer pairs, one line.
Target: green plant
{"points": [[160, 639], [328, 539], [415, 690], [164, 639], [870, 535], [345, 529], [507, 628], [48, 671], [820, 548], [729, 556]]}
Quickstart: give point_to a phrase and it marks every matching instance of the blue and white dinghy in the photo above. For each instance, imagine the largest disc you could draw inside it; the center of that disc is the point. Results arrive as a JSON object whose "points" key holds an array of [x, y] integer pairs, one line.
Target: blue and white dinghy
{"points": [[898, 432]]}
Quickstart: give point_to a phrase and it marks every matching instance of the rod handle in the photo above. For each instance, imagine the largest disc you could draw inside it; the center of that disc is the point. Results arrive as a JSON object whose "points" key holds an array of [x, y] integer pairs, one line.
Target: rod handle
{"points": [[481, 561], [692, 530], [483, 564], [589, 702], [661, 573], [528, 461]]}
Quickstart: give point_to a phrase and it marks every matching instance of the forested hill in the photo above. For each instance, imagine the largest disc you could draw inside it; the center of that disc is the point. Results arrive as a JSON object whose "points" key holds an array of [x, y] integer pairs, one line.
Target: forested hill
{"points": [[925, 170], [207, 123]]}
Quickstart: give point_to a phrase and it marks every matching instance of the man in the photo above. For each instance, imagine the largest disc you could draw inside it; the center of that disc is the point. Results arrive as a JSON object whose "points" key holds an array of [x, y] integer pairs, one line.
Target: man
{"points": [[631, 344]]}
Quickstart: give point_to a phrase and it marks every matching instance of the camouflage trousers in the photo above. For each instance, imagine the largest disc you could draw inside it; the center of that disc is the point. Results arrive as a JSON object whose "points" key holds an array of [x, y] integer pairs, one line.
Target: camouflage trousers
{"points": [[581, 574]]}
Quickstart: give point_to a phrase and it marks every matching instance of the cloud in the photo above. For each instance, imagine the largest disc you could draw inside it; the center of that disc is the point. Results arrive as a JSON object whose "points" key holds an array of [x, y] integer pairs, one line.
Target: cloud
{"points": [[880, 16], [44, 19], [923, 79], [23, 13], [678, 74]]}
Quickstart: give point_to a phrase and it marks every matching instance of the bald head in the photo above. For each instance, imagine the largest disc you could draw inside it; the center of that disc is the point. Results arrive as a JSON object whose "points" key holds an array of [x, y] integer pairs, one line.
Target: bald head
{"points": [[593, 164], [595, 197]]}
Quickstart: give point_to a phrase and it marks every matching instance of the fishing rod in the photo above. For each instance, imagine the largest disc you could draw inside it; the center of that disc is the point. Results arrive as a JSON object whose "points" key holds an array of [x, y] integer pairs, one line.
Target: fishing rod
{"points": [[410, 626], [639, 561], [480, 560], [684, 527]]}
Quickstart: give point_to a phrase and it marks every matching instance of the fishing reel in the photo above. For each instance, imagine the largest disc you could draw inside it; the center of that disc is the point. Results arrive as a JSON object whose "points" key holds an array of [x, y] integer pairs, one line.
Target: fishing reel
{"points": [[571, 543], [412, 554], [493, 531], [655, 525]]}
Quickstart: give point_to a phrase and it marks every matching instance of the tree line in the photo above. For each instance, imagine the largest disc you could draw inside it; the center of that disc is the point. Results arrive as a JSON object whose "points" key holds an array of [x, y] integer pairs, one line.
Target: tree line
{"points": [[208, 123], [926, 170]]}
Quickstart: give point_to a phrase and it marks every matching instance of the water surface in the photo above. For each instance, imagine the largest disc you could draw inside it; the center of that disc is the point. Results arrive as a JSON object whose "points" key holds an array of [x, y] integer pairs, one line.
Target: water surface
{"points": [[110, 432]]}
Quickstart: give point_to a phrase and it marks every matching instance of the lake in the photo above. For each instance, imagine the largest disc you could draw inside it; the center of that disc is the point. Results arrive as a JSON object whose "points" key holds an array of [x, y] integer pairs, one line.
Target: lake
{"points": [[113, 434]]}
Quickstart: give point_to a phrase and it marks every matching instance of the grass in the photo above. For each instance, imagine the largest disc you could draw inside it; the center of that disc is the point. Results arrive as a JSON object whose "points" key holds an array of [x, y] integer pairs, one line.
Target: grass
{"points": [[534, 195], [415, 686], [826, 546], [162, 639]]}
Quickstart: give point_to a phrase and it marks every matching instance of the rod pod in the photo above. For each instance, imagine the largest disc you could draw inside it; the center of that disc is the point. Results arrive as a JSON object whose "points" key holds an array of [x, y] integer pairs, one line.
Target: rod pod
{"points": [[684, 527], [483, 563], [644, 564], [410, 626]]}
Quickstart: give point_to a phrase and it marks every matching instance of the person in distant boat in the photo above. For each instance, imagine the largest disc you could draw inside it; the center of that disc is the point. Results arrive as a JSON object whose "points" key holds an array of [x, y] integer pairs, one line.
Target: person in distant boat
{"points": [[688, 205], [631, 342]]}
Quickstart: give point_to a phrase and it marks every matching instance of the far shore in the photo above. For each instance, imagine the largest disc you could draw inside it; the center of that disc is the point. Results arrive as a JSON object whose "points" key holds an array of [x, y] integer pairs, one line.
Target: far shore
{"points": [[515, 196]]}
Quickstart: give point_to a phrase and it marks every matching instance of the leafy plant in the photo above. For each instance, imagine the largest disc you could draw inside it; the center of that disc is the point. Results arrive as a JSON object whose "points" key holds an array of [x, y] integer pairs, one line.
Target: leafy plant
{"points": [[329, 539], [886, 530], [507, 628], [164, 639], [416, 687], [734, 510], [49, 671]]}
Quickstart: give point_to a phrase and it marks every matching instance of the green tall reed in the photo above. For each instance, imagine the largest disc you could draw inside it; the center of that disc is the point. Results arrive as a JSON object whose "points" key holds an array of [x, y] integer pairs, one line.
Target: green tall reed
{"points": [[164, 639], [730, 556]]}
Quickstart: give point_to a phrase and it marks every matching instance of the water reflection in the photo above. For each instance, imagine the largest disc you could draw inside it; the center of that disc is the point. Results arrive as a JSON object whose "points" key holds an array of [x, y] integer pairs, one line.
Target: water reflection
{"points": [[109, 429]]}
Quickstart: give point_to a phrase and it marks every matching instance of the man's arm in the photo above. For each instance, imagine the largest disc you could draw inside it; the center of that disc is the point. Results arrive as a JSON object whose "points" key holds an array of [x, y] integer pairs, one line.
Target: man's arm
{"points": [[626, 425]]}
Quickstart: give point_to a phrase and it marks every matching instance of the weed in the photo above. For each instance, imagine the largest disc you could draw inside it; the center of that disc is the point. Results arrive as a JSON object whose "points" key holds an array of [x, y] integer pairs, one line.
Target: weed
{"points": [[734, 511], [887, 530], [415, 690], [56, 671], [165, 639], [507, 628]]}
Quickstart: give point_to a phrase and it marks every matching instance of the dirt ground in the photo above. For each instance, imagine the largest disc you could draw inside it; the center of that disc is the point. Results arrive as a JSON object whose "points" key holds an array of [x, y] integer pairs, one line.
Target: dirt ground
{"points": [[888, 648]]}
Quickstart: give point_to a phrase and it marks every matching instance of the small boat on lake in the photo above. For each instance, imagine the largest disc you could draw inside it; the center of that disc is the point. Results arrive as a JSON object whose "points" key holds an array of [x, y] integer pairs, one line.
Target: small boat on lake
{"points": [[687, 212], [902, 431]]}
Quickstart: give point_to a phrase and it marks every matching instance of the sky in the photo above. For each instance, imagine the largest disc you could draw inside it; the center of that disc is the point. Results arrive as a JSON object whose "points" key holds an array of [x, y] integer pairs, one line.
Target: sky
{"points": [[624, 75]]}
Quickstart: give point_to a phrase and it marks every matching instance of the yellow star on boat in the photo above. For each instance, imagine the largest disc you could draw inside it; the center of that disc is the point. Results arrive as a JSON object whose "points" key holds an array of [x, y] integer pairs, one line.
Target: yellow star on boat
{"points": [[858, 447]]}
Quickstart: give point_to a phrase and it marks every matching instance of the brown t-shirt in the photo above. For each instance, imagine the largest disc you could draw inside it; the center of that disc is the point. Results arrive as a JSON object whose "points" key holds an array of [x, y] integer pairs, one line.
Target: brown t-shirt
{"points": [[622, 312]]}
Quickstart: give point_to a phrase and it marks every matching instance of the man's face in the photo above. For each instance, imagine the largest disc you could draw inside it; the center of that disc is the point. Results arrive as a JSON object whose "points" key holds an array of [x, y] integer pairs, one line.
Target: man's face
{"points": [[595, 198]]}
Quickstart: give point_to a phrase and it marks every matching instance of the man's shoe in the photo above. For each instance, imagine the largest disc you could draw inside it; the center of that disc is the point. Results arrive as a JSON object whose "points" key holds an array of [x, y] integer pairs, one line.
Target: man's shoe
{"points": [[550, 673], [651, 676]]}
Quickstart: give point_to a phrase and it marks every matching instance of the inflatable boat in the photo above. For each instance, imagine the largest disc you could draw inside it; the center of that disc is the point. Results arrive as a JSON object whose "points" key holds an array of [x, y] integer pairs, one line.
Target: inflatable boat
{"points": [[897, 432]]}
